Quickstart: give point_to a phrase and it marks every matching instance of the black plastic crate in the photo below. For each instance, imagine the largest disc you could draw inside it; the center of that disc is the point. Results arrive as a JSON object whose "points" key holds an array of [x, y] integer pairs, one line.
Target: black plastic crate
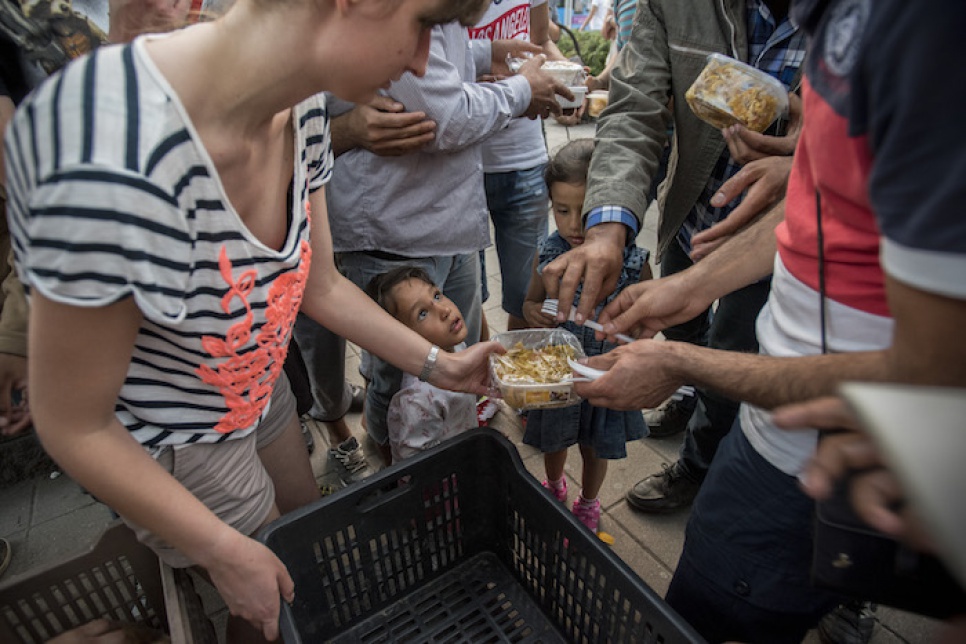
{"points": [[459, 544], [117, 578]]}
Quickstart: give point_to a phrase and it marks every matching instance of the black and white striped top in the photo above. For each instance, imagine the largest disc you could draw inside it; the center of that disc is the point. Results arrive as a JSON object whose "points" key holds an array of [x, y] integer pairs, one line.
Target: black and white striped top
{"points": [[112, 195]]}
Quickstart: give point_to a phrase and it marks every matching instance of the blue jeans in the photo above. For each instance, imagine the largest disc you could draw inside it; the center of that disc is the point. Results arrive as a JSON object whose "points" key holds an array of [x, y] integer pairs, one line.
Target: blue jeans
{"points": [[519, 208], [732, 328], [457, 276], [744, 572]]}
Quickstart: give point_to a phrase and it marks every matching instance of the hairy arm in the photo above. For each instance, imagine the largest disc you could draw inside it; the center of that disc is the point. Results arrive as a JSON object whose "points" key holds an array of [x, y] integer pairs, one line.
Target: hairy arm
{"points": [[928, 346], [644, 373], [926, 349], [540, 32], [648, 307], [763, 183]]}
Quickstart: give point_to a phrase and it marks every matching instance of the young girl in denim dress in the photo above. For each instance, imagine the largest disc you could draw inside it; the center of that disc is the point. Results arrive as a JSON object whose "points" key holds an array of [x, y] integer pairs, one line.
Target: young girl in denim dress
{"points": [[601, 433]]}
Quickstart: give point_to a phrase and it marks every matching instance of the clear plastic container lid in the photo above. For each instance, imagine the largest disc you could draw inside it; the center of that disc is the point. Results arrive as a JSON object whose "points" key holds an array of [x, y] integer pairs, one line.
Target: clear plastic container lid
{"points": [[534, 372], [728, 92], [569, 73]]}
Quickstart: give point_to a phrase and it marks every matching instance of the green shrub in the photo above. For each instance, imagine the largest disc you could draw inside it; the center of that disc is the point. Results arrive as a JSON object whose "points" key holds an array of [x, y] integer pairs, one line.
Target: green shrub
{"points": [[593, 48]]}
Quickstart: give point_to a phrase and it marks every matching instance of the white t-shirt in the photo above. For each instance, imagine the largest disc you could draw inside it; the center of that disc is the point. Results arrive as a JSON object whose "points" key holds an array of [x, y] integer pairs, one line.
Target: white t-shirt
{"points": [[597, 22], [422, 416], [789, 326], [114, 196], [521, 145]]}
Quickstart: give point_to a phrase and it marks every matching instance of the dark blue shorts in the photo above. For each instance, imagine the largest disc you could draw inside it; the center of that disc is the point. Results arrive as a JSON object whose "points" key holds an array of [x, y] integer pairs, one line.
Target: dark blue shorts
{"points": [[744, 572]]}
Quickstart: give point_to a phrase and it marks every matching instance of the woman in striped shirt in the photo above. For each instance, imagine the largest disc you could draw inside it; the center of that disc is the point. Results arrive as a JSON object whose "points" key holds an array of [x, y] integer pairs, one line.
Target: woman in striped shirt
{"points": [[147, 189]]}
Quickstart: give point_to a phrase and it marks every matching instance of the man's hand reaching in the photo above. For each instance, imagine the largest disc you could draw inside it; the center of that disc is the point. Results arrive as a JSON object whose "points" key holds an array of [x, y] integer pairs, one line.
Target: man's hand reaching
{"points": [[596, 264], [544, 89], [647, 308], [875, 491], [502, 50], [764, 180], [746, 145]]}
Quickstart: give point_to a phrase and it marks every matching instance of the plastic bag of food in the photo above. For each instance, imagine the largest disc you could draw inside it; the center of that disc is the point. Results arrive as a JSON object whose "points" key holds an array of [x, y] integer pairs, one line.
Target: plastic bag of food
{"points": [[534, 372], [728, 91]]}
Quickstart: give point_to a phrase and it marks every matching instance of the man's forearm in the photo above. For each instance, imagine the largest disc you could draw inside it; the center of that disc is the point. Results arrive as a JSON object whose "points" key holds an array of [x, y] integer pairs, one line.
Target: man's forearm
{"points": [[343, 137], [768, 381], [540, 32], [742, 260], [614, 232]]}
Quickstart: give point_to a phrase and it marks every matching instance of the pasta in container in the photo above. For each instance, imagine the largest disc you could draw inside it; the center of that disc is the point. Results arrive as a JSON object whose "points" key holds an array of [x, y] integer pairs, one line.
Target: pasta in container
{"points": [[534, 373], [728, 92]]}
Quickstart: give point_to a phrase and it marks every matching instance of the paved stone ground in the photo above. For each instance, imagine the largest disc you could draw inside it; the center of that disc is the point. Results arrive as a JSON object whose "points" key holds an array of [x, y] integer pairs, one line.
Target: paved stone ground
{"points": [[48, 519]]}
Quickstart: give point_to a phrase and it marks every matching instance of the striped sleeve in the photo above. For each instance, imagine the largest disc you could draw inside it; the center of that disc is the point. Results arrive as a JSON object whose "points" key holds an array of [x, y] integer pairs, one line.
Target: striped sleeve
{"points": [[317, 153], [92, 236]]}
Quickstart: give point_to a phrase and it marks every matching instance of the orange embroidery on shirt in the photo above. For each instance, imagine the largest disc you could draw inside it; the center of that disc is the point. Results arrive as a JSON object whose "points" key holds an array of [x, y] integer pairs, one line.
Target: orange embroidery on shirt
{"points": [[246, 379]]}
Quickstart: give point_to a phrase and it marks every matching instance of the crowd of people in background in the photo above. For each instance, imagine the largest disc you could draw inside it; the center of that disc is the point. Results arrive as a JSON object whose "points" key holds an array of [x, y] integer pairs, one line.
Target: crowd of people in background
{"points": [[200, 209]]}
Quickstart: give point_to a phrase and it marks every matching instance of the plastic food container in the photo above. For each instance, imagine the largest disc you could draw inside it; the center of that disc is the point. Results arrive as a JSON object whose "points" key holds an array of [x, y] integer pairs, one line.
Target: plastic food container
{"points": [[596, 102], [579, 93], [534, 373], [728, 92], [568, 73]]}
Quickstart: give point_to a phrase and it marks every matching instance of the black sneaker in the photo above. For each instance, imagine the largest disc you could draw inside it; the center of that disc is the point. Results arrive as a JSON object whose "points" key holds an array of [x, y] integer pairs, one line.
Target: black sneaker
{"points": [[666, 491], [671, 416], [850, 623]]}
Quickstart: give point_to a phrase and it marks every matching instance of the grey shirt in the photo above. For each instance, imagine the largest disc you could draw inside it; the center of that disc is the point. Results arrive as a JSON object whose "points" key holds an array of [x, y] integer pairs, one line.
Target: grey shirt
{"points": [[429, 202]]}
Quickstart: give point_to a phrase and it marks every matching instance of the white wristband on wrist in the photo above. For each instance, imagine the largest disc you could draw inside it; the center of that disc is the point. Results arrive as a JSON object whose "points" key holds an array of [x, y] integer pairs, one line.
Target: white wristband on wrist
{"points": [[430, 365]]}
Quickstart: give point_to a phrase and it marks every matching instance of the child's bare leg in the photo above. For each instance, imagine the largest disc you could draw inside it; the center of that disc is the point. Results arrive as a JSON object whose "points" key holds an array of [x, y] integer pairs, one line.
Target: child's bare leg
{"points": [[385, 451], [594, 472], [338, 431], [484, 327], [554, 463], [288, 465]]}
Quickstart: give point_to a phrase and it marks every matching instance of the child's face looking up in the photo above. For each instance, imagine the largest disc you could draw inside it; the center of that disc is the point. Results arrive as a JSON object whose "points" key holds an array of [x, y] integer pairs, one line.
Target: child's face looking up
{"points": [[568, 201], [424, 309]]}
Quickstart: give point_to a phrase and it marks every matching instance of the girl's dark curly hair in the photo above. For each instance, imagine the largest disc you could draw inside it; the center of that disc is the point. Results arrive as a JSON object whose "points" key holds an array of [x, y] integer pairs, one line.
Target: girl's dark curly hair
{"points": [[380, 287]]}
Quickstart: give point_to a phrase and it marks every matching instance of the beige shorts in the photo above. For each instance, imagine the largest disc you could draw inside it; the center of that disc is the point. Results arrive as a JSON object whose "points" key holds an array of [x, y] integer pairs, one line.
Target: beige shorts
{"points": [[227, 477]]}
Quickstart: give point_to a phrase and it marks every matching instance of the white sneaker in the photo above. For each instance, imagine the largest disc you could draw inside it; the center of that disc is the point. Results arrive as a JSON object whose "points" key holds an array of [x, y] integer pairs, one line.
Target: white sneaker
{"points": [[350, 461]]}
